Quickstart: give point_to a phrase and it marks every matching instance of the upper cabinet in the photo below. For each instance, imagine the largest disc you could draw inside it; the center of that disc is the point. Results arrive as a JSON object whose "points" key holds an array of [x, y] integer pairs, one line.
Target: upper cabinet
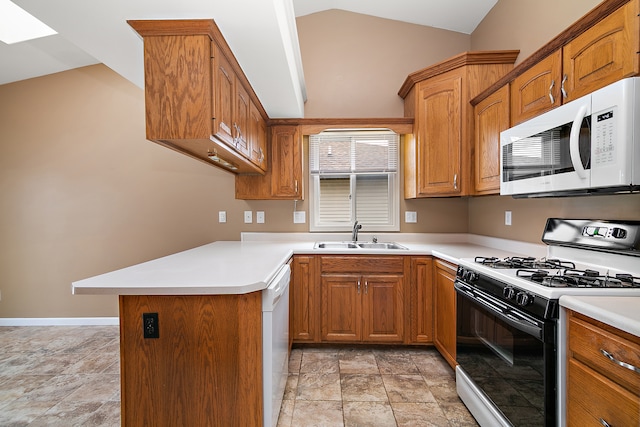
{"points": [[197, 99], [438, 156], [602, 54], [284, 178]]}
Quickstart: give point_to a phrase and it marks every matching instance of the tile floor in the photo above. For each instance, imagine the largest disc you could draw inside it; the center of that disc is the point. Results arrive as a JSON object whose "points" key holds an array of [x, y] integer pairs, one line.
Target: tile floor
{"points": [[69, 376]]}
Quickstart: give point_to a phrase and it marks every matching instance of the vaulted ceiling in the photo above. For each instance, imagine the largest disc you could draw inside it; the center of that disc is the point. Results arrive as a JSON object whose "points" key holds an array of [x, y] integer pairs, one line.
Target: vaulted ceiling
{"points": [[261, 33]]}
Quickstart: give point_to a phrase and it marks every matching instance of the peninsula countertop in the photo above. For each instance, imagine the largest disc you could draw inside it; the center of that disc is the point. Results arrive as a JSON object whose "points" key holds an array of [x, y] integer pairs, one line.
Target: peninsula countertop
{"points": [[240, 267]]}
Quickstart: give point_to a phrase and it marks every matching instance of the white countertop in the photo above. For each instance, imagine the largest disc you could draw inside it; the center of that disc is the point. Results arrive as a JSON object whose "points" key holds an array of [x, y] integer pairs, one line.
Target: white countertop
{"points": [[249, 265], [620, 312]]}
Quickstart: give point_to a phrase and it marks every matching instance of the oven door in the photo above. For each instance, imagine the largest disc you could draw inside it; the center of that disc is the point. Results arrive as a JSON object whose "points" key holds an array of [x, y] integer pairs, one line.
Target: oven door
{"points": [[508, 355]]}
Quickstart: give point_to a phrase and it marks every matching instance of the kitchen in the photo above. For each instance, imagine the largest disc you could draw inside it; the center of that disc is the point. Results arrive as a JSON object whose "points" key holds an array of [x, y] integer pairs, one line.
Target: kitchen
{"points": [[89, 202]]}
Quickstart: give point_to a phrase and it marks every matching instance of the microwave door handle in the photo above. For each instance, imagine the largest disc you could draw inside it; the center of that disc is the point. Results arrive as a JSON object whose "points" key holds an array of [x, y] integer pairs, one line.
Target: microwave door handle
{"points": [[574, 142]]}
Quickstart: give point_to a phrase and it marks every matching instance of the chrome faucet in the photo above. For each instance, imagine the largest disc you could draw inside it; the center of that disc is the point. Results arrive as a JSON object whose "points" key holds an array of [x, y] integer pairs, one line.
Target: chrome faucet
{"points": [[354, 232]]}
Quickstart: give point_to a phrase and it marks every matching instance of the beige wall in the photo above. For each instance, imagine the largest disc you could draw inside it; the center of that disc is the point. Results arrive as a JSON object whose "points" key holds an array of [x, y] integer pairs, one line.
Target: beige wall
{"points": [[355, 64], [527, 24], [83, 192]]}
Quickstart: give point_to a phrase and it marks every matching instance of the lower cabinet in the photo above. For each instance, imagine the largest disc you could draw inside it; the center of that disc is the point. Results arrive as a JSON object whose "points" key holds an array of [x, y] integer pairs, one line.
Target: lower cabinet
{"points": [[421, 301], [304, 298], [602, 374], [362, 298], [444, 303]]}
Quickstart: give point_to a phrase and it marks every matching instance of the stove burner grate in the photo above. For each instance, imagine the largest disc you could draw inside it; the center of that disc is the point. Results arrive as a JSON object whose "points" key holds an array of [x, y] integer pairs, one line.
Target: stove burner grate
{"points": [[523, 262], [580, 279]]}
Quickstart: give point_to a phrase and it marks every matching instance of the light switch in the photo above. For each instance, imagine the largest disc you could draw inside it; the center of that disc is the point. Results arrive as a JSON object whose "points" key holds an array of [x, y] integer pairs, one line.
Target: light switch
{"points": [[248, 217], [507, 217], [260, 217], [410, 217], [299, 217], [222, 216]]}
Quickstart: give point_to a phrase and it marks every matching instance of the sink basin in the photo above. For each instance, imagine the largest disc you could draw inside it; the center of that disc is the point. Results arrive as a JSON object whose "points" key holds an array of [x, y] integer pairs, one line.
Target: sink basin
{"points": [[335, 245], [381, 245], [363, 245]]}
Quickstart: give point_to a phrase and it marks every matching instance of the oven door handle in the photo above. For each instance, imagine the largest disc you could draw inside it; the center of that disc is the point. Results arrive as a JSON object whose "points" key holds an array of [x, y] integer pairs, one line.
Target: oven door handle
{"points": [[481, 298]]}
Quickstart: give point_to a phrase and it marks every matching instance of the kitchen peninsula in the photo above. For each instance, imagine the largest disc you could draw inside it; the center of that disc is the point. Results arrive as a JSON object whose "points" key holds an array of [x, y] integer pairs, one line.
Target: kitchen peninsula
{"points": [[205, 367]]}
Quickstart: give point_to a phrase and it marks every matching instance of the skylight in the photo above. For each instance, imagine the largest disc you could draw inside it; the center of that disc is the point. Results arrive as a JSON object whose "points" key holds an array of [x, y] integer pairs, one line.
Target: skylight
{"points": [[16, 25]]}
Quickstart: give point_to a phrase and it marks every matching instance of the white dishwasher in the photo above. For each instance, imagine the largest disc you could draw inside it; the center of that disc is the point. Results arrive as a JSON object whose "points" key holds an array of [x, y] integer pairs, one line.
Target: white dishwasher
{"points": [[275, 343]]}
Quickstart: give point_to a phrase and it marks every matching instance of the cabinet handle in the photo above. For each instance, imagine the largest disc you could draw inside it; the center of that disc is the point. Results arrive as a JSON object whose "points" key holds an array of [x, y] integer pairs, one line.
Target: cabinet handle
{"points": [[224, 72], [604, 423], [296, 191], [366, 287], [564, 92], [261, 156], [551, 98], [455, 181], [629, 366], [358, 286]]}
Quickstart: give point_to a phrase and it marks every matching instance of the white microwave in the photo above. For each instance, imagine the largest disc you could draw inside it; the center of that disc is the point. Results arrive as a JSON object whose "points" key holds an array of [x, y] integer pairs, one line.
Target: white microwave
{"points": [[590, 145]]}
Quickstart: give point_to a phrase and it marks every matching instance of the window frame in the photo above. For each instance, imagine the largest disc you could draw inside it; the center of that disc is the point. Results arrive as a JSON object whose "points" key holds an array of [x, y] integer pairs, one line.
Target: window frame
{"points": [[393, 197]]}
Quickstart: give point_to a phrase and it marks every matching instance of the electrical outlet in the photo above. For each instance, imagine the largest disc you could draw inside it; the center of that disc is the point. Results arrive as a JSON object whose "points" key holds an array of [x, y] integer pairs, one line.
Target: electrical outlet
{"points": [[410, 217], [299, 217], [507, 217], [260, 217], [150, 325], [222, 216], [248, 217]]}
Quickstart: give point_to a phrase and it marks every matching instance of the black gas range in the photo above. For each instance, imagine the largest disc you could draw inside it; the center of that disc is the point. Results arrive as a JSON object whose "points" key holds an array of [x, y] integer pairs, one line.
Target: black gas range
{"points": [[508, 309]]}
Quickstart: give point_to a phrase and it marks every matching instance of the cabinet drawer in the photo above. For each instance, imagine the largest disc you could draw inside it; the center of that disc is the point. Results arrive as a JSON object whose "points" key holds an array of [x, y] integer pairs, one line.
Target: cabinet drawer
{"points": [[591, 398], [358, 264], [586, 340]]}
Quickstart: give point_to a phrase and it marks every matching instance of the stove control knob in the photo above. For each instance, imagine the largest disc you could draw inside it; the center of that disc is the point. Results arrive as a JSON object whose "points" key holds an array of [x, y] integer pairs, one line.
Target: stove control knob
{"points": [[509, 293], [524, 299], [470, 276]]}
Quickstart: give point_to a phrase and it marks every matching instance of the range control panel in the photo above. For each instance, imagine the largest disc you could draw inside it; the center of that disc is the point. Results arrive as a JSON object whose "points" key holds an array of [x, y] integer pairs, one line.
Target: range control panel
{"points": [[617, 236]]}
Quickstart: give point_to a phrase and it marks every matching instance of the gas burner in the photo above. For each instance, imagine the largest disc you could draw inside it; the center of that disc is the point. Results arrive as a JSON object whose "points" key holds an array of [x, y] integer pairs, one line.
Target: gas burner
{"points": [[573, 278], [523, 262]]}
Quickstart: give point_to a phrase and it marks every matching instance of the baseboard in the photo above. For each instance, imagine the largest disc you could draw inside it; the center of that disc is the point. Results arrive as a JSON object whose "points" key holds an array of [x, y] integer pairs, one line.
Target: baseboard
{"points": [[59, 321]]}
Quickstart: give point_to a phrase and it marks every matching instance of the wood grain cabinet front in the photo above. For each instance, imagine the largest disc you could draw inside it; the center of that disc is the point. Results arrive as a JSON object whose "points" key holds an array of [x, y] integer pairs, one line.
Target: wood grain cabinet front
{"points": [[197, 99], [599, 55], [421, 300], [444, 303], [491, 118], [284, 178], [603, 374], [362, 298], [305, 300], [438, 156]]}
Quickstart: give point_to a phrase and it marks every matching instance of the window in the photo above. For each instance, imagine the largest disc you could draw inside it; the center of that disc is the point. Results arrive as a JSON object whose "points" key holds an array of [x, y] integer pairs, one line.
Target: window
{"points": [[354, 176]]}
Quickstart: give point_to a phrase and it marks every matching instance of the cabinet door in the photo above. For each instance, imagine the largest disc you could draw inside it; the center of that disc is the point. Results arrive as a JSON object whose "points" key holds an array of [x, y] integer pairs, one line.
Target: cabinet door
{"points": [[224, 93], [421, 300], [242, 107], [444, 301], [257, 138], [341, 307], [438, 145], [536, 90], [605, 53], [177, 76], [382, 305], [286, 163], [304, 300], [491, 118]]}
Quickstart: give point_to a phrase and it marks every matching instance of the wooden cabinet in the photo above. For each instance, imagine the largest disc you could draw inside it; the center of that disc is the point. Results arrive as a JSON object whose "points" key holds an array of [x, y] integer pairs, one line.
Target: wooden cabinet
{"points": [[204, 369], [421, 297], [304, 300], [257, 138], [601, 54], [284, 178], [197, 100], [444, 306], [602, 385], [438, 157], [362, 298], [491, 118]]}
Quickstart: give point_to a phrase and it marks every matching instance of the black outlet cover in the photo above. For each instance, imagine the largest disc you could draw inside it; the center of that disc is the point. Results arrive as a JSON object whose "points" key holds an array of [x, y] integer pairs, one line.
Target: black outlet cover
{"points": [[150, 325]]}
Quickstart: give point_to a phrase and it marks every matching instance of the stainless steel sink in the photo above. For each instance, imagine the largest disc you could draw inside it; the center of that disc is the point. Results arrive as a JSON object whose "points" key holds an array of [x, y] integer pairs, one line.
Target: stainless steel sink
{"points": [[381, 245], [335, 245], [362, 245]]}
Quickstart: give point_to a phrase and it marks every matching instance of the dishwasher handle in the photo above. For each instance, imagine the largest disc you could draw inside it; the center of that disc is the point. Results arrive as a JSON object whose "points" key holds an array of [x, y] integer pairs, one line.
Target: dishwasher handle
{"points": [[276, 288]]}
